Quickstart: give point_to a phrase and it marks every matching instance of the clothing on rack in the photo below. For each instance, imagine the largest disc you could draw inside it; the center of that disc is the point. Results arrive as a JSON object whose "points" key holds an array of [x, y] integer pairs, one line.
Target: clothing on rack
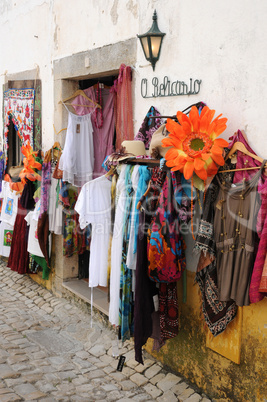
{"points": [[116, 248], [235, 214], [77, 159], [149, 126], [93, 206], [258, 284], [19, 258], [103, 134], [123, 106]]}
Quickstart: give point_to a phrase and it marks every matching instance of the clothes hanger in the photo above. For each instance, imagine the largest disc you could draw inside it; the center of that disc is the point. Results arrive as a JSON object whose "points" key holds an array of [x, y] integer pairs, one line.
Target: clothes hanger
{"points": [[59, 130], [77, 93], [239, 146]]}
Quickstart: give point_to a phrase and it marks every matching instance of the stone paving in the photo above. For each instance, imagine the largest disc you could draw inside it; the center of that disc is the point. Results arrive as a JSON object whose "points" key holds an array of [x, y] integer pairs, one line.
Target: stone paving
{"points": [[51, 350]]}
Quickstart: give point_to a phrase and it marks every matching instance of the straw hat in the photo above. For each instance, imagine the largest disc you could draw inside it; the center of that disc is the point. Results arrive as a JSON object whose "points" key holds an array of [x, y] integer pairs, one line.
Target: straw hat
{"points": [[129, 149], [156, 144]]}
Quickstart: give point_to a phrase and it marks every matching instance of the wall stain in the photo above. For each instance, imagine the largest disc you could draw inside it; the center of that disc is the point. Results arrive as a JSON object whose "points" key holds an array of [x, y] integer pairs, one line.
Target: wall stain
{"points": [[114, 12], [133, 8]]}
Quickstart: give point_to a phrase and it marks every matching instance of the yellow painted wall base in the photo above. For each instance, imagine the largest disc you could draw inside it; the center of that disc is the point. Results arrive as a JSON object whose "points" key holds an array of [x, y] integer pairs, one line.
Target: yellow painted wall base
{"points": [[205, 360]]}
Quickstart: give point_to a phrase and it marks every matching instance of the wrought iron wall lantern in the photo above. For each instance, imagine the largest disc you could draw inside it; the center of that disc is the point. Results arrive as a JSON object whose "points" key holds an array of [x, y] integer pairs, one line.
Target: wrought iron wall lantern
{"points": [[151, 42]]}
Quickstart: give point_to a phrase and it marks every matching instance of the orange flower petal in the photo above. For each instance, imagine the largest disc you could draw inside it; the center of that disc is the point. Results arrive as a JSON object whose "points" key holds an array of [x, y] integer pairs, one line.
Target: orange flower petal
{"points": [[202, 173], [175, 129], [194, 117], [220, 142], [216, 150], [218, 159], [188, 170], [212, 168], [198, 164]]}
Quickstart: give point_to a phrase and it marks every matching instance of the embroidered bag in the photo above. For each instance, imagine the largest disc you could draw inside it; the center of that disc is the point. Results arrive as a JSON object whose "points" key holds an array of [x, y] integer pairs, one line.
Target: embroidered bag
{"points": [[165, 249]]}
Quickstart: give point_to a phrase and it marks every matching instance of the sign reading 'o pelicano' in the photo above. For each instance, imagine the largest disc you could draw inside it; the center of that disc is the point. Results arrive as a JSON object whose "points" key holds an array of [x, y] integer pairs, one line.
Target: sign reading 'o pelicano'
{"points": [[168, 88]]}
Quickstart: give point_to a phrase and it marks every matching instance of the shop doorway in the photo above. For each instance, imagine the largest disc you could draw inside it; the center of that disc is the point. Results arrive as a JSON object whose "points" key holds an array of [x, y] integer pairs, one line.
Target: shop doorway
{"points": [[80, 286]]}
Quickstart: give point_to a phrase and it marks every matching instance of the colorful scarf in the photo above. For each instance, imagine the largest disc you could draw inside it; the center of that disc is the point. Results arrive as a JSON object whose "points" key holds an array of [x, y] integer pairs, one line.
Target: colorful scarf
{"points": [[149, 126]]}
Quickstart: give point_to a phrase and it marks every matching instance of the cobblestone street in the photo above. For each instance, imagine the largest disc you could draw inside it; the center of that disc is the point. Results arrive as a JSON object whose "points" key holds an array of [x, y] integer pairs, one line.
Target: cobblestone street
{"points": [[50, 352]]}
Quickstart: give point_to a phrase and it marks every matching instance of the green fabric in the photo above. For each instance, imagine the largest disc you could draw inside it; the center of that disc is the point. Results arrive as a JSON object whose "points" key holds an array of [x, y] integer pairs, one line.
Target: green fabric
{"points": [[42, 262]]}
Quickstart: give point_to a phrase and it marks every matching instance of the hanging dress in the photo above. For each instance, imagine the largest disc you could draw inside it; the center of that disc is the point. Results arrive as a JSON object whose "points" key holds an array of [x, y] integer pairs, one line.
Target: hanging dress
{"points": [[103, 132], [77, 159], [236, 209]]}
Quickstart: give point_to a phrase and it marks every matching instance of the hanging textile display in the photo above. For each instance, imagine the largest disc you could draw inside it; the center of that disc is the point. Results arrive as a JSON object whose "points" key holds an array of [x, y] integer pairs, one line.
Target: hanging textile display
{"points": [[103, 121], [258, 285], [19, 106], [149, 126], [123, 106]]}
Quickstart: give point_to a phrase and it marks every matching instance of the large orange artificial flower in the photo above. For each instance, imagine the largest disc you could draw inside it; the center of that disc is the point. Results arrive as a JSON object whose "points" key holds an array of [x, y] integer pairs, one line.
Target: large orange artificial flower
{"points": [[30, 163], [194, 144]]}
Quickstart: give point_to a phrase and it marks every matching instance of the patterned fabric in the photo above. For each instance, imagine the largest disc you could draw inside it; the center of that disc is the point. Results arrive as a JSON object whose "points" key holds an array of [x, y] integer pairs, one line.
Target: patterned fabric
{"points": [[217, 314], [45, 186], [258, 288], [19, 106], [75, 240], [149, 126], [126, 296], [33, 266], [168, 311], [183, 201], [166, 257]]}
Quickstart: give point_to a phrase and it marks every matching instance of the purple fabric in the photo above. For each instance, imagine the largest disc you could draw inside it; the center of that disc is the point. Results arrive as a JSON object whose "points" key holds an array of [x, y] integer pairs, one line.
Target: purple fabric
{"points": [[243, 160], [45, 186], [103, 137]]}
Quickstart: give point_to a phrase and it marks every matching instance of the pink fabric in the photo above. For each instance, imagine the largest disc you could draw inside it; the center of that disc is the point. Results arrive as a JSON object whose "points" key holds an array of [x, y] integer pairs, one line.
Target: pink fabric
{"points": [[243, 160], [124, 107], [257, 275], [103, 137]]}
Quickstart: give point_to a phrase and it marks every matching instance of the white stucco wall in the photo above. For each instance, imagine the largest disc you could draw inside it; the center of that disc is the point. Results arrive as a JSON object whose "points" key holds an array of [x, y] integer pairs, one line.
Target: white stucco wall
{"points": [[221, 43]]}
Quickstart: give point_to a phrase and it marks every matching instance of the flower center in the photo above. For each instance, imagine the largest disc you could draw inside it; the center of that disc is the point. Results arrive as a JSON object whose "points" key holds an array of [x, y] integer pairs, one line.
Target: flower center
{"points": [[197, 143]]}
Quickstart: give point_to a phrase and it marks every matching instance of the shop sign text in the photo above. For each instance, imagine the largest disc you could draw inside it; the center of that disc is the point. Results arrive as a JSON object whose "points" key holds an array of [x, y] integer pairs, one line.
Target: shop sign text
{"points": [[168, 88]]}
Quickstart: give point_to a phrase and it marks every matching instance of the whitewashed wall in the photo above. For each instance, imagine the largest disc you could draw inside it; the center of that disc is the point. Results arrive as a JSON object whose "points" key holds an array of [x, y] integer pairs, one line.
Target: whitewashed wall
{"points": [[221, 43]]}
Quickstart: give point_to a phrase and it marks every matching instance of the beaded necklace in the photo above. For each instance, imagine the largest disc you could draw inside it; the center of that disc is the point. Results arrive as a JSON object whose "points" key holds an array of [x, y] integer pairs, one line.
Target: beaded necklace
{"points": [[99, 100]]}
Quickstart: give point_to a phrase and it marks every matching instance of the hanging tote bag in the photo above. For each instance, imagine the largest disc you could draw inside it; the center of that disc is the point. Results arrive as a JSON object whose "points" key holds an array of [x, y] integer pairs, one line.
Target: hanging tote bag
{"points": [[166, 247]]}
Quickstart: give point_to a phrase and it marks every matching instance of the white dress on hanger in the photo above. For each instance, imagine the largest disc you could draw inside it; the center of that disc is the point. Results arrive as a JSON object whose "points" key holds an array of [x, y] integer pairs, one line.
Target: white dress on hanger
{"points": [[116, 249], [77, 159], [94, 206]]}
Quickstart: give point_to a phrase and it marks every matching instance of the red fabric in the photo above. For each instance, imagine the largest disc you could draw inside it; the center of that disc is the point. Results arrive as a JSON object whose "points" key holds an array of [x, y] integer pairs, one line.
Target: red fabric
{"points": [[257, 289], [19, 258], [123, 106]]}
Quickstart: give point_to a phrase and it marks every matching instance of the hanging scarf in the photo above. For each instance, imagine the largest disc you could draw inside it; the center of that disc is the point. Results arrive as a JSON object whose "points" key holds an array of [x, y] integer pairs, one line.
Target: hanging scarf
{"points": [[123, 106], [126, 297], [257, 288], [144, 177], [149, 126]]}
